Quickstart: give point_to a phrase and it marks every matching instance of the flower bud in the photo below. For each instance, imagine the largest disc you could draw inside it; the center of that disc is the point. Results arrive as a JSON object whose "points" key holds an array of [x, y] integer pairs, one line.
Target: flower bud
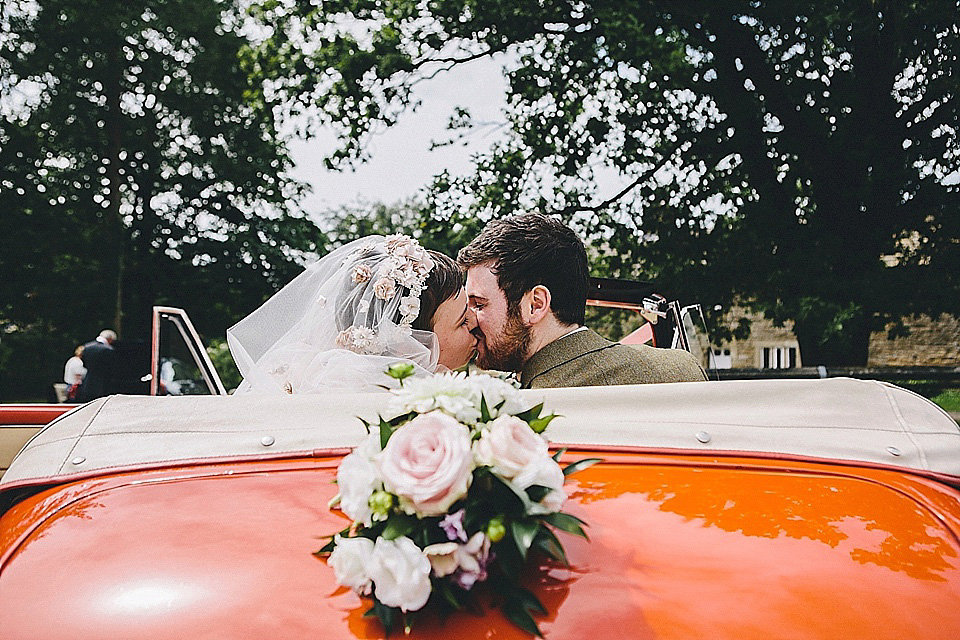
{"points": [[400, 370], [496, 530], [380, 504]]}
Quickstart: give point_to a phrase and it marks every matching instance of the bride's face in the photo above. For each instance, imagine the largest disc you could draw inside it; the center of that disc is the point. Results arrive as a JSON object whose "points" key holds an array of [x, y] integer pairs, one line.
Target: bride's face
{"points": [[452, 322]]}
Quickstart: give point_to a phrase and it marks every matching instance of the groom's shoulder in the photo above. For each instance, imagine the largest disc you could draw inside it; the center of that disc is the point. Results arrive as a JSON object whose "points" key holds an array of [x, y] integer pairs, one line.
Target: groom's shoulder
{"points": [[599, 362], [662, 365]]}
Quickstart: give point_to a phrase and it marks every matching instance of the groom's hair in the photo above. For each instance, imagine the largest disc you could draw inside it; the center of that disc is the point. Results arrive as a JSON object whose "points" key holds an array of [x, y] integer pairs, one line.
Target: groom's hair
{"points": [[530, 249], [444, 282]]}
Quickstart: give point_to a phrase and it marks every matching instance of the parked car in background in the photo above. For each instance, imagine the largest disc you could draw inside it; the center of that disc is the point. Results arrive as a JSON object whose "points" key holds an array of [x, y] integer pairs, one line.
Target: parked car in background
{"points": [[740, 509]]}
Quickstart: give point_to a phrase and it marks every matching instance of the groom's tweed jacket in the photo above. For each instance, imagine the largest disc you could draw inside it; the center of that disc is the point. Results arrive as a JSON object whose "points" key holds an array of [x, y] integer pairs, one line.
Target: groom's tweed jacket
{"points": [[584, 359]]}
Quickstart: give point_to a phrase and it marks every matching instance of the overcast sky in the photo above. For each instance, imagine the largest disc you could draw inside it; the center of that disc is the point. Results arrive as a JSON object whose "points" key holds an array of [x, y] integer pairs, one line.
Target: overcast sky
{"points": [[402, 162]]}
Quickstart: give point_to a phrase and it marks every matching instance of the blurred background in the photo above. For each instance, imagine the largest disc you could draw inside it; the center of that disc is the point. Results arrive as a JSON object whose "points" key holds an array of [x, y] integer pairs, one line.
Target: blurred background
{"points": [[793, 168]]}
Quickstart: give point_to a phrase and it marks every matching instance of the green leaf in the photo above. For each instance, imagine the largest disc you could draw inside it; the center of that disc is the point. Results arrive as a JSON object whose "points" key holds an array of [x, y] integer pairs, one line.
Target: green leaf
{"points": [[567, 522], [518, 605], [325, 549], [366, 425], [548, 543], [448, 594], [531, 414], [397, 526], [539, 424], [484, 410], [580, 465], [519, 616], [560, 452], [402, 419], [385, 432], [530, 602], [524, 532], [387, 615], [538, 492]]}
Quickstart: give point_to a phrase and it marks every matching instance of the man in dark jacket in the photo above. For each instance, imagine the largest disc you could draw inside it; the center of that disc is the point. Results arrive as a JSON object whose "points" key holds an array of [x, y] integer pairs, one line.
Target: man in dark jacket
{"points": [[100, 359]]}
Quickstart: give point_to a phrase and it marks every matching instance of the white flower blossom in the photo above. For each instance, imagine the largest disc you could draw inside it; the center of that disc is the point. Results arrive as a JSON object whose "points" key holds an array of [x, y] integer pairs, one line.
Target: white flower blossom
{"points": [[349, 563], [400, 574], [409, 307], [452, 393], [496, 391], [385, 288], [357, 478], [361, 273]]}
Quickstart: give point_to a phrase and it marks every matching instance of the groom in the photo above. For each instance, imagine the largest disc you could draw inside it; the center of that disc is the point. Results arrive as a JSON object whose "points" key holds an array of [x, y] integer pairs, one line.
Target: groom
{"points": [[527, 282]]}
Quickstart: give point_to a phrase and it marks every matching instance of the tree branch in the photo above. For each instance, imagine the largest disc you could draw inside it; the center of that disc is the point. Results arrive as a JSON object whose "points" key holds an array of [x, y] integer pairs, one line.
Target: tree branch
{"points": [[597, 208]]}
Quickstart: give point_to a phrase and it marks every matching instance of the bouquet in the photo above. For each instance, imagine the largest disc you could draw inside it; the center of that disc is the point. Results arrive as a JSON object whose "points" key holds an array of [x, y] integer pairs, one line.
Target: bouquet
{"points": [[458, 488]]}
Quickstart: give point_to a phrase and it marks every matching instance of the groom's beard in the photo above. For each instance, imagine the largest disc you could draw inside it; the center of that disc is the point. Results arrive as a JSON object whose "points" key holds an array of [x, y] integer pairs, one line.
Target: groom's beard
{"points": [[508, 351]]}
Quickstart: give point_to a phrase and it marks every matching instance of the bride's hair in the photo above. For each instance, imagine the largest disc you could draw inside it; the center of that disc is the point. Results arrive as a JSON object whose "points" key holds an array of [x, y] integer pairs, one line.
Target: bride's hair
{"points": [[444, 282]]}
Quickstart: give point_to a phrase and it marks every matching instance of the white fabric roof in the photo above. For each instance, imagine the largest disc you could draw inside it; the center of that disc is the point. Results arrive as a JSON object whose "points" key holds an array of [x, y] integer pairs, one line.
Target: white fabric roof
{"points": [[841, 419]]}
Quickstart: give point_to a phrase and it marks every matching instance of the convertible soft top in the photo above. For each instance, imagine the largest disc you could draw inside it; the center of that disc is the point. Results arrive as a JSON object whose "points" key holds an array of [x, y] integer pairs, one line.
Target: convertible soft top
{"points": [[857, 421]]}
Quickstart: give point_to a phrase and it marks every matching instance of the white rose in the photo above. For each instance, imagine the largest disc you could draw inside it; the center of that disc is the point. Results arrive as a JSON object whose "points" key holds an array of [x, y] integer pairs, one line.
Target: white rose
{"points": [[546, 474], [357, 479], [427, 463], [400, 574], [511, 447], [349, 562]]}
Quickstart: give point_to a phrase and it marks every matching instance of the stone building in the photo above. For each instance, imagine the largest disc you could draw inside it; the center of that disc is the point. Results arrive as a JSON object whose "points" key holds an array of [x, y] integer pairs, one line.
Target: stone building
{"points": [[768, 347], [931, 343]]}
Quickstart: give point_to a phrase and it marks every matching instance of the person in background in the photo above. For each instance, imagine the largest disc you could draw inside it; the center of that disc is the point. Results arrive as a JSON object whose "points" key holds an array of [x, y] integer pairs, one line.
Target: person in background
{"points": [[100, 358], [73, 373]]}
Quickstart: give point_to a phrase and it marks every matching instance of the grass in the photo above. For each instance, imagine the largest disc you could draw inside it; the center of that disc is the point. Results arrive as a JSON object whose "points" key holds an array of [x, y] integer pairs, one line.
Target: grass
{"points": [[949, 399]]}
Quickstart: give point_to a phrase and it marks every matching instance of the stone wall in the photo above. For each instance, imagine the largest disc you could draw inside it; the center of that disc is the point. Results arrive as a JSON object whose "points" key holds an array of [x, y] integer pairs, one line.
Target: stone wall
{"points": [[748, 354], [931, 343]]}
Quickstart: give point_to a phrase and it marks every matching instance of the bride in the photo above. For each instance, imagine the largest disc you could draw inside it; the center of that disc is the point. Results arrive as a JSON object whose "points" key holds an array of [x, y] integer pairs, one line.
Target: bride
{"points": [[364, 306]]}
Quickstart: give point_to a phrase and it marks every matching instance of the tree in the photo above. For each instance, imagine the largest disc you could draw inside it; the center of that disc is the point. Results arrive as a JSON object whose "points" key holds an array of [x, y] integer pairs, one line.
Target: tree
{"points": [[801, 158], [139, 165], [446, 232]]}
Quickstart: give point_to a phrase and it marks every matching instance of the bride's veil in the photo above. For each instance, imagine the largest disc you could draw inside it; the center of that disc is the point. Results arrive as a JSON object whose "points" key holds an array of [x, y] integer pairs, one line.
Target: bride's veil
{"points": [[340, 323]]}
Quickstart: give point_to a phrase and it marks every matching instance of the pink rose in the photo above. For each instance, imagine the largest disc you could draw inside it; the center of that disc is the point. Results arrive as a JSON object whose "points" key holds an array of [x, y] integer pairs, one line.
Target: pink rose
{"points": [[428, 464], [511, 447]]}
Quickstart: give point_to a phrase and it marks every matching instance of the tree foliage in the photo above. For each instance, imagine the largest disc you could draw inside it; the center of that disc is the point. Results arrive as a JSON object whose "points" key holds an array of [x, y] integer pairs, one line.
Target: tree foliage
{"points": [[139, 165], [801, 157]]}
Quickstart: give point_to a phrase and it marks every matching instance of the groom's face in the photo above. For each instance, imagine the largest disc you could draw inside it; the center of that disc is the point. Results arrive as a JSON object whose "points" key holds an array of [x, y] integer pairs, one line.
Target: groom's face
{"points": [[502, 337]]}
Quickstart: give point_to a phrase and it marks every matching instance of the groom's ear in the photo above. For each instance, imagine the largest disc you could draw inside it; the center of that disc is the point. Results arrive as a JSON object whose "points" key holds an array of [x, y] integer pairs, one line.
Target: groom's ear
{"points": [[535, 305]]}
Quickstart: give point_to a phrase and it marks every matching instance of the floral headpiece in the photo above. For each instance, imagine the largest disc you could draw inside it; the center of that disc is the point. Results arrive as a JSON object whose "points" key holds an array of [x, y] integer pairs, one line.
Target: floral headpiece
{"points": [[403, 272]]}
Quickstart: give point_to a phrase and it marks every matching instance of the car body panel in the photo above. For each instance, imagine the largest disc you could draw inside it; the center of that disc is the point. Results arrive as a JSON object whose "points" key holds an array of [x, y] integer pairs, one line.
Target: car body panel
{"points": [[681, 546]]}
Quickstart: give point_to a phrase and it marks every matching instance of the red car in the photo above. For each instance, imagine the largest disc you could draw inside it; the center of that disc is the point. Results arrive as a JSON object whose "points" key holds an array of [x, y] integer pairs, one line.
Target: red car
{"points": [[745, 509]]}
